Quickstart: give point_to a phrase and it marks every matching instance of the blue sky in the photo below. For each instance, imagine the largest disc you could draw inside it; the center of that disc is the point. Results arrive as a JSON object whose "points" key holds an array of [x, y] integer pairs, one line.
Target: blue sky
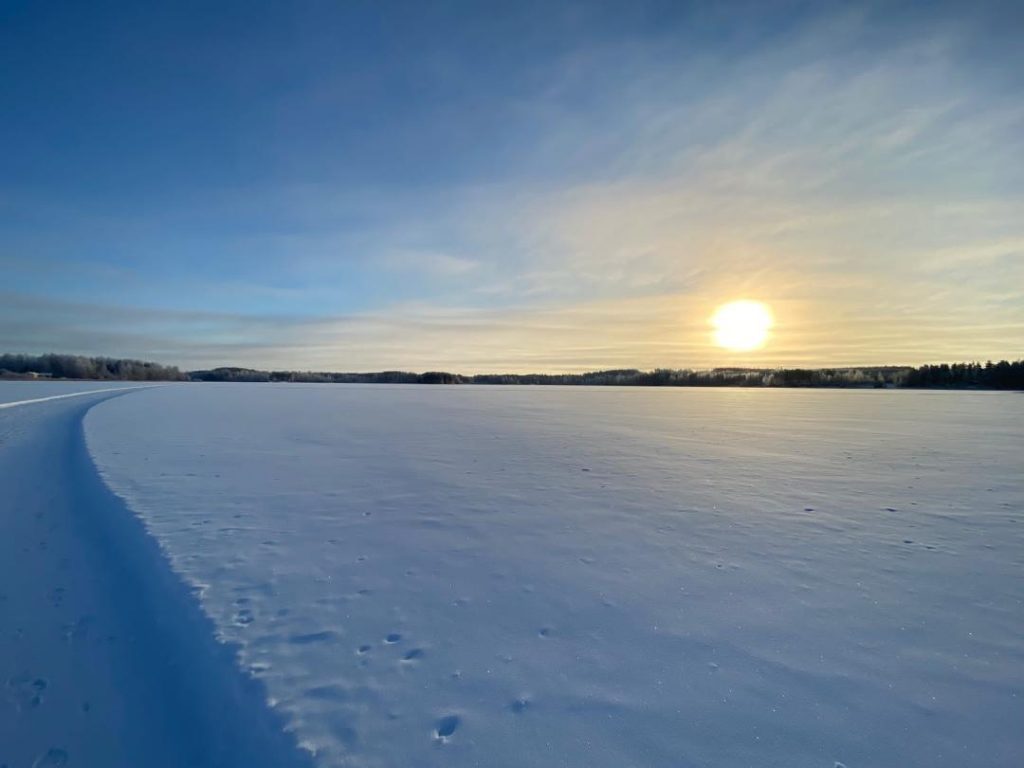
{"points": [[513, 186]]}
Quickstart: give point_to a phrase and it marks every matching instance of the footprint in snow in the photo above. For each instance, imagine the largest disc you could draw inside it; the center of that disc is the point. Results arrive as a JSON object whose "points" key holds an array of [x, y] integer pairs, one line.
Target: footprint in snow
{"points": [[26, 692], [520, 705], [78, 629], [446, 728]]}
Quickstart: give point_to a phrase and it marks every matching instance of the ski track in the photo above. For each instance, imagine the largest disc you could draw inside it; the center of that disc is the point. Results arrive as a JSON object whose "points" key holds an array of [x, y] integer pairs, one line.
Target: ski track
{"points": [[20, 403], [106, 658]]}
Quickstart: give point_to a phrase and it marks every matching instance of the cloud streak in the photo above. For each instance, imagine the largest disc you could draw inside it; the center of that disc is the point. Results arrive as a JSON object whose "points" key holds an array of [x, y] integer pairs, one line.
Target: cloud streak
{"points": [[858, 173], [660, 331]]}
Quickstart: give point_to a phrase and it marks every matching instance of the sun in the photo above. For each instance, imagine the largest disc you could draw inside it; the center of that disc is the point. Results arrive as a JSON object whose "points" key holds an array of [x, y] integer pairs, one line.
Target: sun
{"points": [[742, 325]]}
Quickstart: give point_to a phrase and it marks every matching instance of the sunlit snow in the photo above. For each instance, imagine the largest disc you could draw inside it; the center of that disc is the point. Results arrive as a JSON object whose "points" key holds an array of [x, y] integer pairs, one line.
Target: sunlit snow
{"points": [[600, 577]]}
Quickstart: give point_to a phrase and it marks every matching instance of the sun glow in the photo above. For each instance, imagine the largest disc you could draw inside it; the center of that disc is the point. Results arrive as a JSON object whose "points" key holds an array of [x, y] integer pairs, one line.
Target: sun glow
{"points": [[742, 325]]}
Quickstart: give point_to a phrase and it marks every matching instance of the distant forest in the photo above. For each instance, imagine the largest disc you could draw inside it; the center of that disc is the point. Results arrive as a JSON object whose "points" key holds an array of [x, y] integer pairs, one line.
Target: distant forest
{"points": [[78, 367], [1001, 375]]}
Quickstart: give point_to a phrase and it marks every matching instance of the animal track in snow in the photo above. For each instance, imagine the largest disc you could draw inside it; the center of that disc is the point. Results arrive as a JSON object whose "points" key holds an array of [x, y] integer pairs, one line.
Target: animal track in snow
{"points": [[446, 728], [520, 705], [26, 692], [78, 629], [57, 596]]}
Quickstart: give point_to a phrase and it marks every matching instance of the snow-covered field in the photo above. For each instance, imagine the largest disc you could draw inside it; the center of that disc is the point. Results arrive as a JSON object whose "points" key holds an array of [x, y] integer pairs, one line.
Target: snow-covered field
{"points": [[510, 576], [500, 576]]}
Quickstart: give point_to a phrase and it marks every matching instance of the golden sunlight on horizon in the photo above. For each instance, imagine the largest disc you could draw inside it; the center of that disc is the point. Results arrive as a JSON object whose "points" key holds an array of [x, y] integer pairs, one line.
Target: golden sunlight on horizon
{"points": [[742, 325]]}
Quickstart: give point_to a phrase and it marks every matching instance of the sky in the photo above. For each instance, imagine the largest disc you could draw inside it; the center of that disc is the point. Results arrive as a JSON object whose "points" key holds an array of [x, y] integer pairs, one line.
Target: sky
{"points": [[524, 186]]}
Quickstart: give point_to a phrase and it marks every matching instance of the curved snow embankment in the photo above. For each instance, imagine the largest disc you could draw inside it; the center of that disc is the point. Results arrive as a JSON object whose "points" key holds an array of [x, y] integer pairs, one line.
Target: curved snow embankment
{"points": [[119, 665], [18, 403]]}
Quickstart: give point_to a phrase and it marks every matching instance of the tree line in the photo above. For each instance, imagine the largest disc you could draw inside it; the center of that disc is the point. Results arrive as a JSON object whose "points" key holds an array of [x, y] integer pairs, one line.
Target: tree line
{"points": [[79, 367], [1000, 375]]}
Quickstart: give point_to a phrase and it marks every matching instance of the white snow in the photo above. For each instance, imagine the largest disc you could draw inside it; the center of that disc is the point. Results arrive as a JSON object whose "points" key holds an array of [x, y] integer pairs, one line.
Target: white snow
{"points": [[8, 392], [105, 657], [507, 576]]}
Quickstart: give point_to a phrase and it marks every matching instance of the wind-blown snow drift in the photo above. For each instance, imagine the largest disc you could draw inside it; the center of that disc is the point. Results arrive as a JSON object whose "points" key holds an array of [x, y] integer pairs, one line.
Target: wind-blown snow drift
{"points": [[580, 577]]}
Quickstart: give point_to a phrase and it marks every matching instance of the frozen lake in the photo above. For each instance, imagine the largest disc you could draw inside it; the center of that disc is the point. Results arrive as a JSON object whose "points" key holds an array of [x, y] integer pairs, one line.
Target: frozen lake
{"points": [[508, 576]]}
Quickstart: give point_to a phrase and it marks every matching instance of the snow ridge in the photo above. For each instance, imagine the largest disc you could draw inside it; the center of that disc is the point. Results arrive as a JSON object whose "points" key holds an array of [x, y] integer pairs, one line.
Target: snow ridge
{"points": [[74, 394], [114, 663]]}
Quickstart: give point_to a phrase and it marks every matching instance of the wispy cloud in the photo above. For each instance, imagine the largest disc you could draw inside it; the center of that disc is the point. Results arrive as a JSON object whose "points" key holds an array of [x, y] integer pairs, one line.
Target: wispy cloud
{"points": [[859, 173], [428, 262], [670, 330]]}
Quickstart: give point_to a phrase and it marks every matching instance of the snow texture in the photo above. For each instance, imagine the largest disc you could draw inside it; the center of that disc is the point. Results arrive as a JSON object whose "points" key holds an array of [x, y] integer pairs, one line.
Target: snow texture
{"points": [[105, 658], [542, 577]]}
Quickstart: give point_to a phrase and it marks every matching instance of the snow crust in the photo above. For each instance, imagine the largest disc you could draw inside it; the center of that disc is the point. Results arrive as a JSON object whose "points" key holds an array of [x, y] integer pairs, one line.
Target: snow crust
{"points": [[506, 576]]}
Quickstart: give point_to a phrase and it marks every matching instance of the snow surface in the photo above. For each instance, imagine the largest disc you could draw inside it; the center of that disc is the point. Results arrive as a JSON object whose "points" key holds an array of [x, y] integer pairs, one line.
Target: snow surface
{"points": [[105, 657], [597, 577], [23, 390]]}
